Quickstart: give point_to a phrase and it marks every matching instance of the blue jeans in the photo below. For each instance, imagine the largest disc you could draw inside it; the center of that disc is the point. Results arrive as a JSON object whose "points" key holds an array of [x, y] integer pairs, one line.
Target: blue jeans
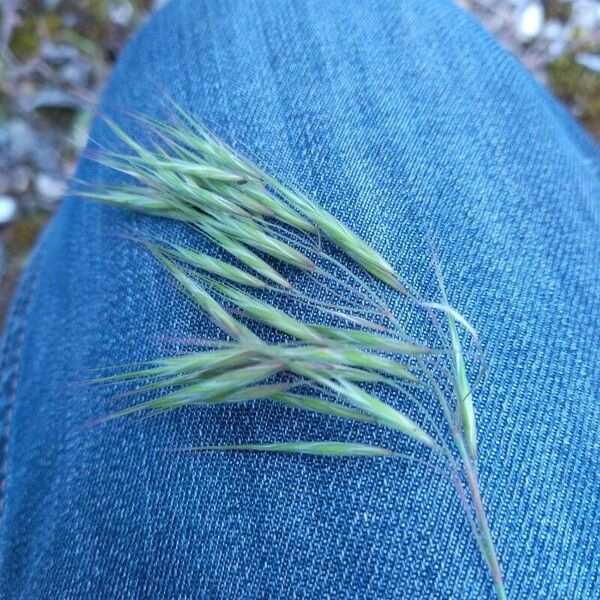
{"points": [[399, 117]]}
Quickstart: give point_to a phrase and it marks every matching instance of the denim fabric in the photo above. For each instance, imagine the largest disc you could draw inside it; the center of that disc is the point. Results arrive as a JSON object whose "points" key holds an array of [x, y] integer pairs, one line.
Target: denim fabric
{"points": [[400, 117]]}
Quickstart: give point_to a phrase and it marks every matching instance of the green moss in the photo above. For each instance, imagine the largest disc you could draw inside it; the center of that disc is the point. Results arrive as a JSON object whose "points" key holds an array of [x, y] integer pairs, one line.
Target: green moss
{"points": [[52, 25], [25, 41], [4, 109], [579, 86], [18, 239], [558, 10], [23, 233]]}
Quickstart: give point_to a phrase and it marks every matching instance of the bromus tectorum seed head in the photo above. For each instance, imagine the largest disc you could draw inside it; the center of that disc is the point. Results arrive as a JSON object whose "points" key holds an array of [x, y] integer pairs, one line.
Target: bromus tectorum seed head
{"points": [[276, 261]]}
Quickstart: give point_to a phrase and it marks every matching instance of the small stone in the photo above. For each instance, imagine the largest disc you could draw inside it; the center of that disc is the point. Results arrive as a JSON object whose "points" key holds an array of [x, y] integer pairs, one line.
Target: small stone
{"points": [[557, 36], [50, 188], [557, 48], [69, 19], [589, 61], [21, 139], [44, 156], [77, 73], [586, 14], [121, 13], [20, 179], [8, 209], [54, 98], [58, 54], [531, 21], [554, 30]]}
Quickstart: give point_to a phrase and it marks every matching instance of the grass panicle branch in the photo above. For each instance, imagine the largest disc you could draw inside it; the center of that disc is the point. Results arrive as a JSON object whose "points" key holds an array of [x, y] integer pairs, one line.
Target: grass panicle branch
{"points": [[338, 345]]}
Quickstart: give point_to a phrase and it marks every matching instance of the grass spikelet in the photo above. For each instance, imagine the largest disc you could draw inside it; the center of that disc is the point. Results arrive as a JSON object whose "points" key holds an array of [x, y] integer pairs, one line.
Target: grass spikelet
{"points": [[321, 406], [267, 313], [202, 298], [210, 264], [280, 211], [370, 340], [233, 385], [249, 233], [128, 198], [314, 448], [181, 167], [352, 245], [338, 342], [352, 357], [246, 256], [382, 412]]}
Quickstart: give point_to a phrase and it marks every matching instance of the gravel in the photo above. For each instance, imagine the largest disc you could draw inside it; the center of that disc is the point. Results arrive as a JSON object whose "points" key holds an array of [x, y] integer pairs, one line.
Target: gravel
{"points": [[8, 209]]}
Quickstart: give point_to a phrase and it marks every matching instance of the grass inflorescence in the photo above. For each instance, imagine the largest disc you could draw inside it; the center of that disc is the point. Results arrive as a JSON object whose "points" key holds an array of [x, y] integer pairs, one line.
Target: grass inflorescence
{"points": [[275, 261]]}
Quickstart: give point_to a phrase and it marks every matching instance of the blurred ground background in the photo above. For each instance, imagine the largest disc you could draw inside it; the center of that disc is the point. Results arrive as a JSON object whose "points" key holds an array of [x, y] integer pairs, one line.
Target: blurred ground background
{"points": [[56, 54]]}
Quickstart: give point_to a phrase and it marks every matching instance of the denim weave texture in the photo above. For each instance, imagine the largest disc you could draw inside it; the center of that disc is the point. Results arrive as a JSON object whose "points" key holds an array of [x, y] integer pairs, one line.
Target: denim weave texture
{"points": [[400, 117]]}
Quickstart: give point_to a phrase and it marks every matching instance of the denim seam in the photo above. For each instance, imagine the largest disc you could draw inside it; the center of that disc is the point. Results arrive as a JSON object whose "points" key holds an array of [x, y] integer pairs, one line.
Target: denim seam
{"points": [[11, 365]]}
